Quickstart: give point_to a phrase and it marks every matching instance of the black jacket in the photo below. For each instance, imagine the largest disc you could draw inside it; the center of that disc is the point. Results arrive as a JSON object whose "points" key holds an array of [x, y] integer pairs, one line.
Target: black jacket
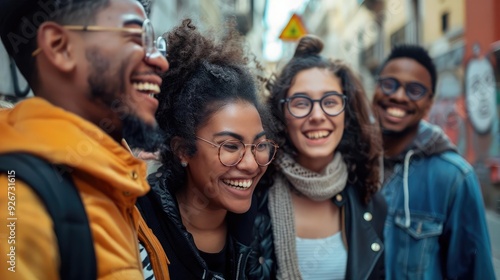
{"points": [[364, 226], [160, 210]]}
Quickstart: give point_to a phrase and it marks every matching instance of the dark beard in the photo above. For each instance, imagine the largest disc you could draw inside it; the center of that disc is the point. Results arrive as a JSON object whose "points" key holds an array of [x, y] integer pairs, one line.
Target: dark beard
{"points": [[108, 88], [104, 85], [139, 135]]}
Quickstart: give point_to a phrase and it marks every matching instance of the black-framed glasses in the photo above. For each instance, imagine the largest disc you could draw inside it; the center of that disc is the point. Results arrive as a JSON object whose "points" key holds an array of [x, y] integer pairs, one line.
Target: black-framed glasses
{"points": [[149, 42], [232, 151], [300, 106], [414, 90]]}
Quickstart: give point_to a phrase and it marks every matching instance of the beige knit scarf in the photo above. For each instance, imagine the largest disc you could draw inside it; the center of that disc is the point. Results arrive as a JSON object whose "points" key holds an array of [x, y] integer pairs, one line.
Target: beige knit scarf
{"points": [[318, 187]]}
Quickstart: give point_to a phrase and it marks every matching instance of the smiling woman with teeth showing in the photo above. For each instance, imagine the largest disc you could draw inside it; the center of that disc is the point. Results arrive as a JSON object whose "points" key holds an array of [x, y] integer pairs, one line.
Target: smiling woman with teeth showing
{"points": [[323, 217], [215, 151]]}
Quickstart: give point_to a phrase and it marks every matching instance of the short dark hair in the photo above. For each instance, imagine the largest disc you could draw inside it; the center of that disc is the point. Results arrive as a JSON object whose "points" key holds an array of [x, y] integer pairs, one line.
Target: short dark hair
{"points": [[205, 75], [19, 22], [417, 53], [361, 144]]}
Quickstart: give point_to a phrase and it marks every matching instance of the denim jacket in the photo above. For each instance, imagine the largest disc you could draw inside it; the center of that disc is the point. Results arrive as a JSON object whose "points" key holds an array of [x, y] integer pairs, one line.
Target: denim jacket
{"points": [[436, 226]]}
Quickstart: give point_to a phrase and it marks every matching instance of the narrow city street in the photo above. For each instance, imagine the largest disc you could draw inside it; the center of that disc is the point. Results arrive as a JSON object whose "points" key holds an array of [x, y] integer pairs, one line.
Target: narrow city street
{"points": [[493, 219]]}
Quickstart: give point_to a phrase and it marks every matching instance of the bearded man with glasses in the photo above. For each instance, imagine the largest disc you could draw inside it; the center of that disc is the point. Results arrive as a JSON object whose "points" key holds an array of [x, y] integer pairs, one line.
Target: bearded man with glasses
{"points": [[435, 226], [94, 67]]}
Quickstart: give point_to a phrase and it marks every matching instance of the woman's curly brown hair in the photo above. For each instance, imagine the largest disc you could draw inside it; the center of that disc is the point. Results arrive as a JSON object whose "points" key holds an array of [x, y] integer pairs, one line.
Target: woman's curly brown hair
{"points": [[205, 75], [361, 144]]}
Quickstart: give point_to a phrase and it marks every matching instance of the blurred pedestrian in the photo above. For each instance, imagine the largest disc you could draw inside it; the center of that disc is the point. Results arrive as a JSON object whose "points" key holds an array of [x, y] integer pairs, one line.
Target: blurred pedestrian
{"points": [[436, 227]]}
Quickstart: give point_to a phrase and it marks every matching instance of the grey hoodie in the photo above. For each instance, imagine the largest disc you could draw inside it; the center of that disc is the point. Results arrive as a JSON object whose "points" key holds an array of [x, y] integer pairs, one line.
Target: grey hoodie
{"points": [[430, 140]]}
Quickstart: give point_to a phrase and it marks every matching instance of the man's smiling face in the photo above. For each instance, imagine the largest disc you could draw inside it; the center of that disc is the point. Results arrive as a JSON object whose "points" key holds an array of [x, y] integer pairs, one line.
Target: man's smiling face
{"points": [[397, 112]]}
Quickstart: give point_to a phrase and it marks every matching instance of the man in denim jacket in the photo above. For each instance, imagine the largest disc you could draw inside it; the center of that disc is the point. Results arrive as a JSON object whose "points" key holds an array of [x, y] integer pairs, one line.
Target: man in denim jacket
{"points": [[436, 226]]}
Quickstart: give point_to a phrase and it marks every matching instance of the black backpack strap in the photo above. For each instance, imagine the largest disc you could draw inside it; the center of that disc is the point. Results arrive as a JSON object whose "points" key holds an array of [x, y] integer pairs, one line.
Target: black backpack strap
{"points": [[54, 186]]}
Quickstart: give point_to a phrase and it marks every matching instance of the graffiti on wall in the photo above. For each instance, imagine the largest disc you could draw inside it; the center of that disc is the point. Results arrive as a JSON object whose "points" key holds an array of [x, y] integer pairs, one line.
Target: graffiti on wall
{"points": [[465, 107], [448, 110], [480, 94]]}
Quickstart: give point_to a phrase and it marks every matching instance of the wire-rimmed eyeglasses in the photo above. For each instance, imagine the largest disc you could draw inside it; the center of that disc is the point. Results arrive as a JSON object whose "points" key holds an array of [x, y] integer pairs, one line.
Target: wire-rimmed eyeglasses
{"points": [[232, 151], [300, 106], [414, 90], [149, 43]]}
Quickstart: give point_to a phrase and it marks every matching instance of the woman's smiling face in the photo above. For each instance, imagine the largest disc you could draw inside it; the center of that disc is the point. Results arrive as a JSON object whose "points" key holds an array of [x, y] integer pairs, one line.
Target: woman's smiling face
{"points": [[317, 135], [220, 186]]}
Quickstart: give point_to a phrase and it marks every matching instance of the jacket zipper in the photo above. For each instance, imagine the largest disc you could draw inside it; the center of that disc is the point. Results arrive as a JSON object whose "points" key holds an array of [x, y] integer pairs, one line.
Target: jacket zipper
{"points": [[136, 238], [238, 266]]}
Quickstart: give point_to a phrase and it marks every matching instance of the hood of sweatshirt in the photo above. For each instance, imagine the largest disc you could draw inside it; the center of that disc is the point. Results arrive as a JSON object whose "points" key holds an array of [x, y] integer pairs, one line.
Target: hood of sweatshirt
{"points": [[430, 140]]}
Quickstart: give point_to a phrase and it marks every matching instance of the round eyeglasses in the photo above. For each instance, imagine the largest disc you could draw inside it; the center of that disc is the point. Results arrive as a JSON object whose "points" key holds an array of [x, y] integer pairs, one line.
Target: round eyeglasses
{"points": [[231, 151], [301, 106], [414, 90], [149, 42]]}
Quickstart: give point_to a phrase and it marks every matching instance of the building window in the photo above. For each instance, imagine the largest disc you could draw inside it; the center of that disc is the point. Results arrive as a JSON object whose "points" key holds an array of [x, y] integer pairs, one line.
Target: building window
{"points": [[444, 22], [398, 37]]}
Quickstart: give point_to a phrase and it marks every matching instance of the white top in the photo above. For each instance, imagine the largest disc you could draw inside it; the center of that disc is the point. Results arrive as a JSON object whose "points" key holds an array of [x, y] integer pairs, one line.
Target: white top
{"points": [[323, 258], [147, 269]]}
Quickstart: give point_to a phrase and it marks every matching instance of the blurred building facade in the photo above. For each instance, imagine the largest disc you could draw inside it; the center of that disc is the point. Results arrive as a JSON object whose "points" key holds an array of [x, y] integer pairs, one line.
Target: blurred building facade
{"points": [[165, 14], [462, 36], [13, 86], [211, 15]]}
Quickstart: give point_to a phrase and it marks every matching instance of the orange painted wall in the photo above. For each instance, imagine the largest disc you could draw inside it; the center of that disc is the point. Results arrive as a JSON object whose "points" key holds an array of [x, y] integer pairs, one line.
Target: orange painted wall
{"points": [[482, 24], [497, 17]]}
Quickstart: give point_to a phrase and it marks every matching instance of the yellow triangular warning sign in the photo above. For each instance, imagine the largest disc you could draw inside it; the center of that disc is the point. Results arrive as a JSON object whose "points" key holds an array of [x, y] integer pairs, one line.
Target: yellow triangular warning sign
{"points": [[294, 29]]}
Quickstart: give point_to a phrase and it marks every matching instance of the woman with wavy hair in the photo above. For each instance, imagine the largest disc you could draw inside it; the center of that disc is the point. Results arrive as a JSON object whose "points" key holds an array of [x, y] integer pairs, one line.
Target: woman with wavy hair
{"points": [[322, 218], [215, 151]]}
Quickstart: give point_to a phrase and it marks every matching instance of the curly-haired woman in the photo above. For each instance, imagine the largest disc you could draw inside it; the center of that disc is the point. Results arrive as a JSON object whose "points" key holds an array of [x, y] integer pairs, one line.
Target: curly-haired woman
{"points": [[214, 153], [323, 217]]}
